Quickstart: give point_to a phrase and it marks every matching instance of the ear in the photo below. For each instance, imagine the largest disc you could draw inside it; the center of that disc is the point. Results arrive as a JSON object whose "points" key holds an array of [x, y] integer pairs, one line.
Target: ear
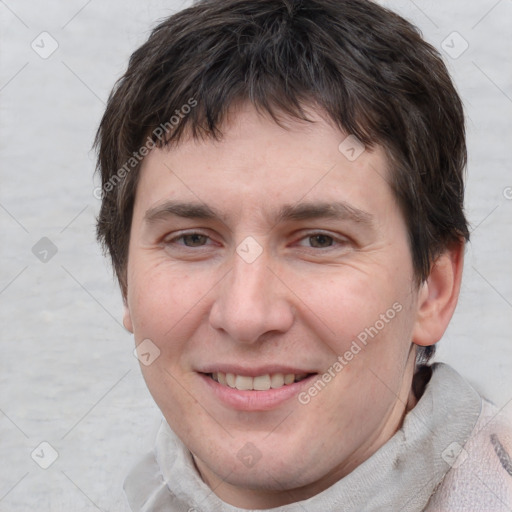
{"points": [[438, 296], [127, 319]]}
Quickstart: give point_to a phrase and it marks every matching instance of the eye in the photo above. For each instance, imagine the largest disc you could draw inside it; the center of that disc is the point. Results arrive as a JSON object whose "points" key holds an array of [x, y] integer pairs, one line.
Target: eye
{"points": [[193, 240], [320, 241], [192, 245]]}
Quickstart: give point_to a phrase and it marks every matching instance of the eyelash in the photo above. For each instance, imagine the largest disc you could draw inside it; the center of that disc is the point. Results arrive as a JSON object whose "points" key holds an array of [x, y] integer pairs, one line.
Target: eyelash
{"points": [[182, 235], [336, 240]]}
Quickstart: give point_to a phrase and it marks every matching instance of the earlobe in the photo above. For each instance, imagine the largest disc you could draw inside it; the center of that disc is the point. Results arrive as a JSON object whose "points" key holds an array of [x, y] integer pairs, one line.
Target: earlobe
{"points": [[438, 296], [127, 319]]}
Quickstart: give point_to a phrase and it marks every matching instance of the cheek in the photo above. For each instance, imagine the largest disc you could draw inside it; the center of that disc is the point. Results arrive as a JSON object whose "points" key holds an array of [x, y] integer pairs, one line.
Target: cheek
{"points": [[350, 302], [159, 301], [365, 320]]}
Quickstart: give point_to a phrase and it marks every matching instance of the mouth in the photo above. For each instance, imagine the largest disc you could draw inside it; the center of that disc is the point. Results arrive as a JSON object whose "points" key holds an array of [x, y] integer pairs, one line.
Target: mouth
{"points": [[262, 390], [258, 383]]}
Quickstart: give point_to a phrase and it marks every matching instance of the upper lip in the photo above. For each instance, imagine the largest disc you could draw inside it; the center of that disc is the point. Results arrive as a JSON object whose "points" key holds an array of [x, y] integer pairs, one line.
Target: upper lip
{"points": [[254, 371]]}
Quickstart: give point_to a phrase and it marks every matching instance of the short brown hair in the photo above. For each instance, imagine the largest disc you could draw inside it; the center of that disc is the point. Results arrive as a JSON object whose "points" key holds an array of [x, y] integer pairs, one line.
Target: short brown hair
{"points": [[365, 66]]}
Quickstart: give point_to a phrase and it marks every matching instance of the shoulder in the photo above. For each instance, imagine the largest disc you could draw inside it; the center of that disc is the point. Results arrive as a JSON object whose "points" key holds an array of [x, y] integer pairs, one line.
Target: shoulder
{"points": [[480, 477]]}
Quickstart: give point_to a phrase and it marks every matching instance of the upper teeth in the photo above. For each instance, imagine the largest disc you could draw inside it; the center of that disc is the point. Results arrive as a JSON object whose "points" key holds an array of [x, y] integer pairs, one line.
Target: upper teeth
{"points": [[259, 383]]}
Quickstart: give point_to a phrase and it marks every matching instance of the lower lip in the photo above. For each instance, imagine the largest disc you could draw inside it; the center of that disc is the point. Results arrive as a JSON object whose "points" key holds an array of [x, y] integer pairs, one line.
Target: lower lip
{"points": [[255, 400]]}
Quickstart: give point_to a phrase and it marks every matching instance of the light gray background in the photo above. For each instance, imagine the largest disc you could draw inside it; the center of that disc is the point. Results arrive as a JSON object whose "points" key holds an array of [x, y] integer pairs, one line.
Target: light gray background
{"points": [[67, 372]]}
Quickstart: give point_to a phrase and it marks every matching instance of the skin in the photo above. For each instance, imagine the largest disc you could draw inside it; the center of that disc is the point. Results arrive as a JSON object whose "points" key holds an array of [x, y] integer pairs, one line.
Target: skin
{"points": [[302, 302]]}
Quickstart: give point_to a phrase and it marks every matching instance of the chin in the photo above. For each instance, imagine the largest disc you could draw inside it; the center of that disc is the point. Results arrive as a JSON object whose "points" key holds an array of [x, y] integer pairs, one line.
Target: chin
{"points": [[267, 469]]}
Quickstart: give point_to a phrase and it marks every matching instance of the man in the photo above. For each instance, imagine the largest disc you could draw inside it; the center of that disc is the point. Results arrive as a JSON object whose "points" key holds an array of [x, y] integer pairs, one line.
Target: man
{"points": [[282, 200]]}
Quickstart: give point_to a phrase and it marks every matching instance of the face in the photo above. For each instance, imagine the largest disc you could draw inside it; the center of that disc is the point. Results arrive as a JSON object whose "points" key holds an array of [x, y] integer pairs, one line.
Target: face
{"points": [[272, 271]]}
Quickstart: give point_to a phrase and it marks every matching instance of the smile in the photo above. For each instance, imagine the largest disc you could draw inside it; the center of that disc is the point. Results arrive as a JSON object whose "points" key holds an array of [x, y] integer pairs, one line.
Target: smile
{"points": [[258, 383], [254, 388]]}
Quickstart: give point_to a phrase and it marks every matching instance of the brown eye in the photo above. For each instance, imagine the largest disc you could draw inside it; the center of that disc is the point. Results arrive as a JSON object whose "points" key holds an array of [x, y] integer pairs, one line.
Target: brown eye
{"points": [[194, 240], [320, 241]]}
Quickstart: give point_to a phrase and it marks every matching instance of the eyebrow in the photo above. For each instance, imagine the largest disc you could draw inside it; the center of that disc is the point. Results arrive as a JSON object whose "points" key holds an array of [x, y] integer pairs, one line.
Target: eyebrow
{"points": [[339, 210], [180, 209]]}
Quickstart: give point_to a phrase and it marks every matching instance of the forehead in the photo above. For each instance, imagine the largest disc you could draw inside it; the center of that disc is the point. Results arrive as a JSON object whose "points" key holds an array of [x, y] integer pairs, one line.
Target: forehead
{"points": [[259, 165]]}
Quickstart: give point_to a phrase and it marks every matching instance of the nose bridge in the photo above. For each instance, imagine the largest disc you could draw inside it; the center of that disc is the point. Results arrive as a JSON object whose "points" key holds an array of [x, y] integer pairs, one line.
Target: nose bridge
{"points": [[250, 302], [250, 281]]}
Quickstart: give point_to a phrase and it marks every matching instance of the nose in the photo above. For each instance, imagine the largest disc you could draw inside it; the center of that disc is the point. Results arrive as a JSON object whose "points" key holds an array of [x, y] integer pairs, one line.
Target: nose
{"points": [[251, 302]]}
